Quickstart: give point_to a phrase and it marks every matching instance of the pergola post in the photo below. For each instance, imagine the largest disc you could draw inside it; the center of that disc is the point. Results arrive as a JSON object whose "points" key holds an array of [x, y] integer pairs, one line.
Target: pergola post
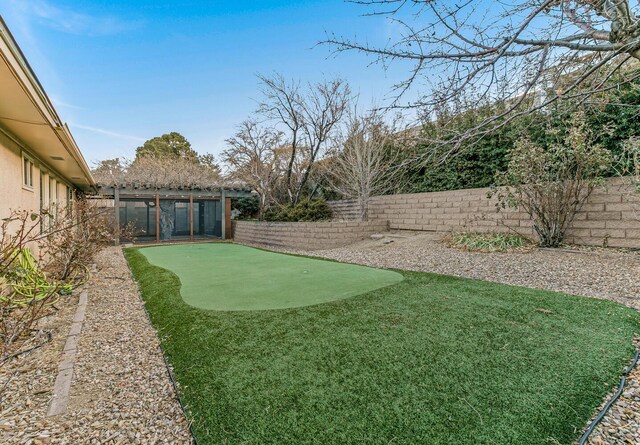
{"points": [[191, 216], [223, 204], [116, 205], [227, 223], [157, 217]]}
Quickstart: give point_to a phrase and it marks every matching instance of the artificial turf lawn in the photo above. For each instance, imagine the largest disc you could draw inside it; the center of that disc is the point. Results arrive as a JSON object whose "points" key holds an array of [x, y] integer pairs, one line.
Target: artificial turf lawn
{"points": [[430, 360], [230, 277]]}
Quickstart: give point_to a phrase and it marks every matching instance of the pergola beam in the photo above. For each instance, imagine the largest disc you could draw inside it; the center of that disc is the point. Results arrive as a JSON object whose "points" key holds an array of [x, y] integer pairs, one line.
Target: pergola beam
{"points": [[165, 193]]}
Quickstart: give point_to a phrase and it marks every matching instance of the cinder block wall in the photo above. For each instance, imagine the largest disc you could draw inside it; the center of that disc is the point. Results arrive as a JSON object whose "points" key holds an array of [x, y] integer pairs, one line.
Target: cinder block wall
{"points": [[305, 235], [611, 216], [345, 210]]}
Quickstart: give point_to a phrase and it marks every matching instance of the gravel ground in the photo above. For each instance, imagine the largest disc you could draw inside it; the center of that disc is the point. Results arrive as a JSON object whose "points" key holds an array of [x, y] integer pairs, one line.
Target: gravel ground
{"points": [[120, 394], [596, 273], [621, 425], [26, 383], [599, 273]]}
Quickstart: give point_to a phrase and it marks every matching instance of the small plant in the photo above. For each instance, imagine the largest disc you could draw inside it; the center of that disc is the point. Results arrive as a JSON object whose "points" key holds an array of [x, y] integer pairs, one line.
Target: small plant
{"points": [[488, 242]]}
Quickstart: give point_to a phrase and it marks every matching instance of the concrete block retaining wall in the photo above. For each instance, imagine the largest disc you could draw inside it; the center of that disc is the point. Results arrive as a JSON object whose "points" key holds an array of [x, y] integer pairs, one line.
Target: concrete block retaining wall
{"points": [[611, 216], [345, 210], [305, 235]]}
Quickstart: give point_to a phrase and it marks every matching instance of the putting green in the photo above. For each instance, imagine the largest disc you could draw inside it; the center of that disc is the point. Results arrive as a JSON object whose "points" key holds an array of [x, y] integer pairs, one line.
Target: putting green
{"points": [[231, 277]]}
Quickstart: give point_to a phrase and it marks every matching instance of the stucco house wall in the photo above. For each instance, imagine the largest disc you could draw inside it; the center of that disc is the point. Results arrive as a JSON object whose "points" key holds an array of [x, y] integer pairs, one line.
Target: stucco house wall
{"points": [[15, 194], [41, 165]]}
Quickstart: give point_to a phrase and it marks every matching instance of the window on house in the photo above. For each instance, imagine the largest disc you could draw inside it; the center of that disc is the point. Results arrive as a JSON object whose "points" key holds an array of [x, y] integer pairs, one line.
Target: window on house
{"points": [[53, 191], [27, 172], [69, 199], [53, 197]]}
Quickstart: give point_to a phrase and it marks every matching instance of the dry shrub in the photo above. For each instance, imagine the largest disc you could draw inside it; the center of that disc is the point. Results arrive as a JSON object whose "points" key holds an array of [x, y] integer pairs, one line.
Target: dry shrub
{"points": [[488, 242], [74, 238], [26, 293], [68, 240], [629, 168], [551, 184]]}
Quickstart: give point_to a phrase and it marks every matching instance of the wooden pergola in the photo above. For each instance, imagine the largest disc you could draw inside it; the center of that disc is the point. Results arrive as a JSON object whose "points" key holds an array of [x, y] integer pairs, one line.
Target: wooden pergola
{"points": [[147, 192]]}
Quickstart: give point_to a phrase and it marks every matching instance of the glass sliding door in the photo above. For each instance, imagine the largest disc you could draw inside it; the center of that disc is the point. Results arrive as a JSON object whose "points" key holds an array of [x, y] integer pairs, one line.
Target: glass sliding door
{"points": [[212, 218], [141, 215], [175, 220]]}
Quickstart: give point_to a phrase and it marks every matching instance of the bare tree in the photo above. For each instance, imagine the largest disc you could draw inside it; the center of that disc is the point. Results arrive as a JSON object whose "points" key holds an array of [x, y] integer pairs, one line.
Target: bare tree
{"points": [[111, 171], [160, 171], [309, 116], [254, 158], [524, 55], [281, 103], [365, 164]]}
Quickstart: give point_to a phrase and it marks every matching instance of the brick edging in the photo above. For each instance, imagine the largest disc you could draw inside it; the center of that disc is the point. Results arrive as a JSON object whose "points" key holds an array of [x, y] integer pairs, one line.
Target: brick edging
{"points": [[62, 386]]}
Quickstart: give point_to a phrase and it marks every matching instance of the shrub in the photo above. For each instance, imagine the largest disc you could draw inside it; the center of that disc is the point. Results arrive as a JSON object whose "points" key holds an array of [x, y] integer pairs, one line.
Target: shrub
{"points": [[552, 184], [68, 240], [612, 119], [630, 161], [305, 210], [629, 169], [75, 237], [26, 293], [248, 207], [487, 242]]}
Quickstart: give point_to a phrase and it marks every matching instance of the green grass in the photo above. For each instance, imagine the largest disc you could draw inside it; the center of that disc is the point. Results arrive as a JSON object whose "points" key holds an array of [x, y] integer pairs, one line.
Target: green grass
{"points": [[231, 277], [487, 242], [430, 360]]}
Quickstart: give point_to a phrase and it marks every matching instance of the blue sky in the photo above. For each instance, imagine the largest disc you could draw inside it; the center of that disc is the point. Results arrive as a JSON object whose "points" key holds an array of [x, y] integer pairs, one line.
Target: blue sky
{"points": [[121, 72]]}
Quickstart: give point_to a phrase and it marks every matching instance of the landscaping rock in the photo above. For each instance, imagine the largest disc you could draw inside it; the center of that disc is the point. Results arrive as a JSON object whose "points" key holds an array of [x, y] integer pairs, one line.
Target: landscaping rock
{"points": [[120, 393], [600, 273]]}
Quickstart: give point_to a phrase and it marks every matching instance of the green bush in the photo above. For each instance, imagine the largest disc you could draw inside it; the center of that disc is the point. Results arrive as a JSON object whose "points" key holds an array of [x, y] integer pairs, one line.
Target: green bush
{"points": [[612, 119], [475, 164], [305, 210], [248, 207]]}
